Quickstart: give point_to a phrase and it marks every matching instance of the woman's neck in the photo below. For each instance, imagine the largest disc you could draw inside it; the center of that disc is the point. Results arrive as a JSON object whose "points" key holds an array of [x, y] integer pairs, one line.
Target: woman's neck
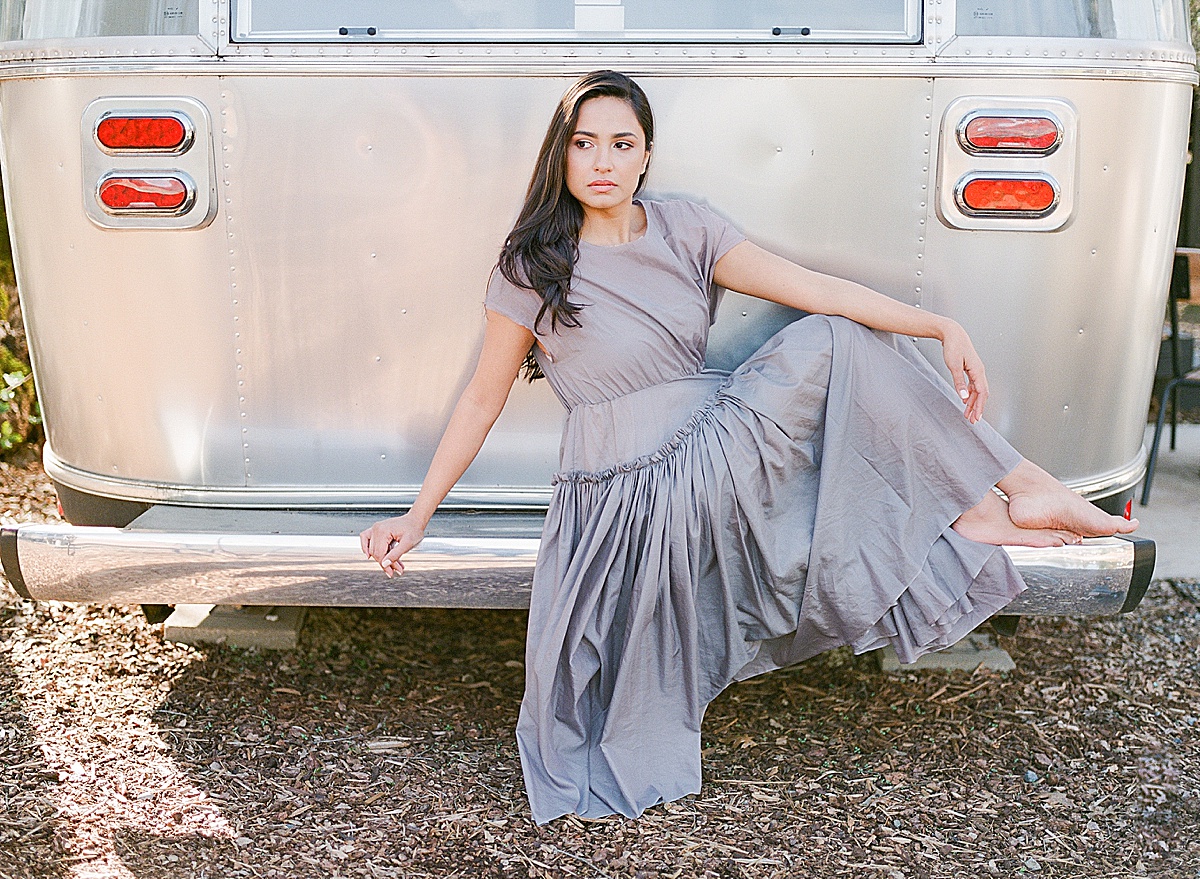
{"points": [[617, 225]]}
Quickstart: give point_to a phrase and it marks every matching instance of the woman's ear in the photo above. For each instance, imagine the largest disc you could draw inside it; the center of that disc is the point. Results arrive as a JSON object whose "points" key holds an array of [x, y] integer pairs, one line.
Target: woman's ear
{"points": [[646, 161]]}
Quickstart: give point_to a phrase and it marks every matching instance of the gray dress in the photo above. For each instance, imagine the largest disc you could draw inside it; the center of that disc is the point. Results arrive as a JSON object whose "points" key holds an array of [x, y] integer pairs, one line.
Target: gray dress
{"points": [[708, 526]]}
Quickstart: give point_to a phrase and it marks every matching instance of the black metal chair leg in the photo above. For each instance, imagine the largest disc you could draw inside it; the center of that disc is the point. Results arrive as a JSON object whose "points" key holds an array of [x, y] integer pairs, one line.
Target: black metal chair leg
{"points": [[1158, 427], [1182, 374], [1174, 409]]}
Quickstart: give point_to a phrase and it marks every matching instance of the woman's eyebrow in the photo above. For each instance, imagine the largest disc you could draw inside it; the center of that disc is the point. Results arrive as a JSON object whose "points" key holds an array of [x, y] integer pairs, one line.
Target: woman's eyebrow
{"points": [[618, 134]]}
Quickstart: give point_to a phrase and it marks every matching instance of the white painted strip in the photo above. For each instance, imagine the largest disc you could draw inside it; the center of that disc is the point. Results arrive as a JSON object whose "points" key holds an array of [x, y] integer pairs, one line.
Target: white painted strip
{"points": [[599, 18]]}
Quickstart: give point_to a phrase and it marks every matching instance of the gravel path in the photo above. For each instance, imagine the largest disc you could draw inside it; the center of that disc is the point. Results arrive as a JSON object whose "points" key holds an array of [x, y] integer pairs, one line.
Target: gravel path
{"points": [[384, 746]]}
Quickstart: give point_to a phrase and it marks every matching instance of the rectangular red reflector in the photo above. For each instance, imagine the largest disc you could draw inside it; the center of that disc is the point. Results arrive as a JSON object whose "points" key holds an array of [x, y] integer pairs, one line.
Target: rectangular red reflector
{"points": [[1011, 134], [151, 194], [1003, 195], [143, 133]]}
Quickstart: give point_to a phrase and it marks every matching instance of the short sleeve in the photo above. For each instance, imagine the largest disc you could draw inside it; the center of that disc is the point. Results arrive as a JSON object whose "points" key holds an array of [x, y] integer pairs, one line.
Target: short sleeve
{"points": [[720, 237], [515, 303], [699, 236]]}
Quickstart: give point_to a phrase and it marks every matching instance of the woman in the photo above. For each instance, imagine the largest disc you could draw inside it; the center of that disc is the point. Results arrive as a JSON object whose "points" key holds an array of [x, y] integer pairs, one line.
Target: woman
{"points": [[708, 526]]}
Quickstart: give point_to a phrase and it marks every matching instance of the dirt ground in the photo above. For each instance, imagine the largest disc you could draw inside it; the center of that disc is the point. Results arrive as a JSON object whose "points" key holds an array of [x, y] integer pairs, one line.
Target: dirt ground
{"points": [[384, 747]]}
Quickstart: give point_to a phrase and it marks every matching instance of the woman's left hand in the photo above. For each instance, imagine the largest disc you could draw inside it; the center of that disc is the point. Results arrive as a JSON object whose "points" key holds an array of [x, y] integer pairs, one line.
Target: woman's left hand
{"points": [[970, 379]]}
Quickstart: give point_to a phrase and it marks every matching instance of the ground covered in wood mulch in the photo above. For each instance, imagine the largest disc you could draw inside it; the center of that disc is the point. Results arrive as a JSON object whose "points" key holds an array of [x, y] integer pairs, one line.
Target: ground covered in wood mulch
{"points": [[384, 747]]}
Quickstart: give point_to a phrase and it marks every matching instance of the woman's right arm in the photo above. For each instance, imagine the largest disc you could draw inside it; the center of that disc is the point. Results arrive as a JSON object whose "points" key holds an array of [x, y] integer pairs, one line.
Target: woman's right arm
{"points": [[505, 344]]}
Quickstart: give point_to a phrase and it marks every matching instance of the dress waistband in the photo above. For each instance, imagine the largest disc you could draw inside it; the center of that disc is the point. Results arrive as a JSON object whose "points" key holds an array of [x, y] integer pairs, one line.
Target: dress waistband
{"points": [[620, 431]]}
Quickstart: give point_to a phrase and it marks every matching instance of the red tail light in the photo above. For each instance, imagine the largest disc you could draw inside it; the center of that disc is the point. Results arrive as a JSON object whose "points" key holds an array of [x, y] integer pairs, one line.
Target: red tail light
{"points": [[981, 196], [1030, 135], [152, 195], [168, 133]]}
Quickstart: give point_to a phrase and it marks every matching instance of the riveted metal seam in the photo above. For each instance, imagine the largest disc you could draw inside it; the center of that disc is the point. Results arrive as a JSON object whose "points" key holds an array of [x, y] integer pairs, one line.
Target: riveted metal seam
{"points": [[236, 295], [32, 65], [926, 183]]}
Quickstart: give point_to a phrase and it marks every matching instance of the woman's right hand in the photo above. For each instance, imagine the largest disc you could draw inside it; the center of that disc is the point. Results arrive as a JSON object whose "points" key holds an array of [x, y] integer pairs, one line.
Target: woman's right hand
{"points": [[505, 344], [386, 541], [966, 369]]}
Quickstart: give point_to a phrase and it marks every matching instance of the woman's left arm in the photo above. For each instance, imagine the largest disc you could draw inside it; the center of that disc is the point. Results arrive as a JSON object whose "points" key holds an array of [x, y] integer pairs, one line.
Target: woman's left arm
{"points": [[749, 269]]}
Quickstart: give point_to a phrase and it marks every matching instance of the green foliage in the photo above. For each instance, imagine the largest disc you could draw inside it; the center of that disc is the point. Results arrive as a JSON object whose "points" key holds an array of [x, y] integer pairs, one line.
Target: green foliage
{"points": [[20, 415], [6, 261]]}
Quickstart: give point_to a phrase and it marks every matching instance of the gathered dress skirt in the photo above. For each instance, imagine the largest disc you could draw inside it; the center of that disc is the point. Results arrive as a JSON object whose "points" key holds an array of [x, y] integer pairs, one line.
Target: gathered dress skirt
{"points": [[722, 525]]}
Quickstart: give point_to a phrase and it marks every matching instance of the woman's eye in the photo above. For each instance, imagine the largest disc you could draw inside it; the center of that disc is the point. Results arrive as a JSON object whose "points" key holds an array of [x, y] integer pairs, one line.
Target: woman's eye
{"points": [[582, 144]]}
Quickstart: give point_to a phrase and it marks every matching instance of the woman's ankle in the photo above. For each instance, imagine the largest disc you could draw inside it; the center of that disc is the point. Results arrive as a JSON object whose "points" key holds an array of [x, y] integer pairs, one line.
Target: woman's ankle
{"points": [[1026, 477]]}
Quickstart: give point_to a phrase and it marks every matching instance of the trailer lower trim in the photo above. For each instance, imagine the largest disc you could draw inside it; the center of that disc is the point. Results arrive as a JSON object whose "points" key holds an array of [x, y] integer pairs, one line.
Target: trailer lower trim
{"points": [[1093, 488], [483, 560]]}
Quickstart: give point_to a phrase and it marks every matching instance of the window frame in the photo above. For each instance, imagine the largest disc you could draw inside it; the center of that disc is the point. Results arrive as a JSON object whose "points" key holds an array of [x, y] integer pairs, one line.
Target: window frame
{"points": [[241, 31]]}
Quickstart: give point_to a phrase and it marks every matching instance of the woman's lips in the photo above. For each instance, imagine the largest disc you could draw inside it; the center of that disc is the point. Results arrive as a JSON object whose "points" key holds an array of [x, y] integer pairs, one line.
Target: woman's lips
{"points": [[602, 185]]}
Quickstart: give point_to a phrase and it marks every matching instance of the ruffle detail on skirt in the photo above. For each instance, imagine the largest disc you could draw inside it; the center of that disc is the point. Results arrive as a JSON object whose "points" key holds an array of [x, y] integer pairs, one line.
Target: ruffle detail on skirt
{"points": [[702, 414]]}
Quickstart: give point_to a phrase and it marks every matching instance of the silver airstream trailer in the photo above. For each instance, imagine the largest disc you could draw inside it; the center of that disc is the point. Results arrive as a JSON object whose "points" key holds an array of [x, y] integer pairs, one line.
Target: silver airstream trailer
{"points": [[251, 240]]}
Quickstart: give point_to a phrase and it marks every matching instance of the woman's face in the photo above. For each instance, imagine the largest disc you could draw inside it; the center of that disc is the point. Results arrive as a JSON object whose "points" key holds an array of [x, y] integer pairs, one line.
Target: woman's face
{"points": [[606, 155]]}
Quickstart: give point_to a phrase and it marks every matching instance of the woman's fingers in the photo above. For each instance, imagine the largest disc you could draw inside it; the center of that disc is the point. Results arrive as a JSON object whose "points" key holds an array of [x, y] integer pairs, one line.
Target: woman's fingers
{"points": [[960, 375], [966, 371], [975, 409], [377, 539], [979, 390], [957, 363], [364, 538], [963, 385], [391, 559], [386, 541], [403, 542]]}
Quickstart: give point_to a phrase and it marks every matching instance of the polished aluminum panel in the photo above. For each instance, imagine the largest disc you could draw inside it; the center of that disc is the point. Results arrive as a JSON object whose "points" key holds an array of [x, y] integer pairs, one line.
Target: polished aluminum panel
{"points": [[307, 346], [1089, 59], [274, 569], [483, 561], [309, 559], [1088, 580], [404, 303], [1069, 322], [130, 330]]}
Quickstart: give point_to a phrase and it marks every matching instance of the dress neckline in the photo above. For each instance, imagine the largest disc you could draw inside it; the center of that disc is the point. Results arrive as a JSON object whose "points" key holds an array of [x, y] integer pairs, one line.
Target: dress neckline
{"points": [[645, 233]]}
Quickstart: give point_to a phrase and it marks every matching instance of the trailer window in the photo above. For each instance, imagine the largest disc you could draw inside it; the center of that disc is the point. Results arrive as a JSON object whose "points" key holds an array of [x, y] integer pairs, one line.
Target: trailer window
{"points": [[60, 19], [569, 20], [1158, 20]]}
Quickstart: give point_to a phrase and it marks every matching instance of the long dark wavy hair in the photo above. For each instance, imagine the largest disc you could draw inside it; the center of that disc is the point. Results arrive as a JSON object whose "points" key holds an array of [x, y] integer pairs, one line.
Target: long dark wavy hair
{"points": [[540, 252]]}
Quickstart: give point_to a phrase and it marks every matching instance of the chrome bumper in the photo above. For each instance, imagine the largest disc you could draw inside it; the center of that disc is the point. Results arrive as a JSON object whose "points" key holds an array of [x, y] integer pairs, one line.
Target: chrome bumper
{"points": [[262, 557]]}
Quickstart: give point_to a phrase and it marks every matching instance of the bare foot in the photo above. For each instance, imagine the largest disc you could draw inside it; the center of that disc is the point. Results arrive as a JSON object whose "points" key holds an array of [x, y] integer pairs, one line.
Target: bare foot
{"points": [[1038, 500], [989, 522]]}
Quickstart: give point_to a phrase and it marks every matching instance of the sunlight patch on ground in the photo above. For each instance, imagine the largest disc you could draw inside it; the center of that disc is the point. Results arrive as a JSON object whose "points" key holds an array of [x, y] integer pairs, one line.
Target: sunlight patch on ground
{"points": [[92, 717]]}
